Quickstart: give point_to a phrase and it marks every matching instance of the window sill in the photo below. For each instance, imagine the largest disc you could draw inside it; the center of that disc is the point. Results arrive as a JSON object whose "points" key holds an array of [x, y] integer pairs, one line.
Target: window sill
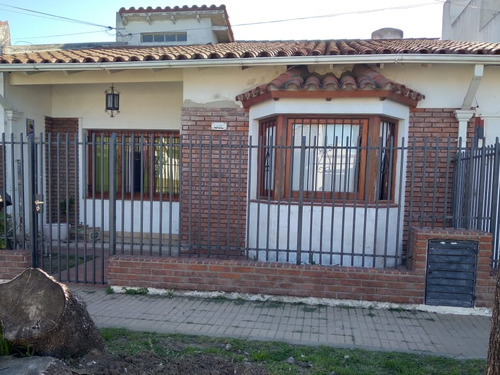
{"points": [[328, 203]]}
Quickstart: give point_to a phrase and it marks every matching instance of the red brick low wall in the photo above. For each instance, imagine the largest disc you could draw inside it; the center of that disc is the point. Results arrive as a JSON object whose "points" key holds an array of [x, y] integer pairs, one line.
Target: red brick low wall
{"points": [[267, 278], [244, 276], [13, 262]]}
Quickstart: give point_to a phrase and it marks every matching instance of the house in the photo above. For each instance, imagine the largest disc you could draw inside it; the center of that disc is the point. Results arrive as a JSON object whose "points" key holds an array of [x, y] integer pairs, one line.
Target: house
{"points": [[297, 167], [475, 20]]}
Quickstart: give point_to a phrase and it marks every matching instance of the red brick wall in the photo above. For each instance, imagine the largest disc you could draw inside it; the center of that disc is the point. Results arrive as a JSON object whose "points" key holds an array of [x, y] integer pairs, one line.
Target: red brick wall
{"points": [[244, 276], [214, 180], [13, 262], [356, 283], [425, 126], [56, 172]]}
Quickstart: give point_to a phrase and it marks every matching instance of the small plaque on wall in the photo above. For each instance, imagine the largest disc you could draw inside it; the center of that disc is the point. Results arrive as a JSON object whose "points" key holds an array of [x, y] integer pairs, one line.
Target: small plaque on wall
{"points": [[30, 126], [219, 125]]}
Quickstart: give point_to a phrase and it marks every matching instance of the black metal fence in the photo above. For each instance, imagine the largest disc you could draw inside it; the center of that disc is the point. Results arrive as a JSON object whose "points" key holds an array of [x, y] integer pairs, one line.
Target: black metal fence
{"points": [[167, 195], [477, 189]]}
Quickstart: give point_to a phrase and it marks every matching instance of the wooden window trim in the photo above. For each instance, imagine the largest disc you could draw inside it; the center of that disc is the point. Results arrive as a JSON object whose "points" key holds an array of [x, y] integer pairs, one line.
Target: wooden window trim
{"points": [[368, 168]]}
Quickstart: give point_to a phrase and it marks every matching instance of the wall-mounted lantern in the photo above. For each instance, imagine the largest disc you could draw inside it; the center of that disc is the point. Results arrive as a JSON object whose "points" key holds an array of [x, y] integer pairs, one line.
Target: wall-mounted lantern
{"points": [[112, 101]]}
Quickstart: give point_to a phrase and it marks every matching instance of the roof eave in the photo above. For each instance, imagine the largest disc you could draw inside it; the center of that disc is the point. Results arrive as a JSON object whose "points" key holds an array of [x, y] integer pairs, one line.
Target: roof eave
{"points": [[455, 59], [331, 95]]}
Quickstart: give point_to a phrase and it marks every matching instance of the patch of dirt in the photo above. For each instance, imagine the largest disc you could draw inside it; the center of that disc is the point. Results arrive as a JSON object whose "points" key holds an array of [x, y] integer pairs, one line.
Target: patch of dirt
{"points": [[149, 363]]}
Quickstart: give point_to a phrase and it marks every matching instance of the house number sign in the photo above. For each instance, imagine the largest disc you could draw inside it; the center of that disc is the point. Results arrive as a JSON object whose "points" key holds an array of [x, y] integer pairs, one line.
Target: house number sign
{"points": [[219, 125]]}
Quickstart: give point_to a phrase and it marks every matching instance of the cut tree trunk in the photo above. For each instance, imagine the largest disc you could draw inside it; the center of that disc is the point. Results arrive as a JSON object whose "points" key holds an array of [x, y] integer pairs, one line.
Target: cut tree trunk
{"points": [[493, 362], [39, 312]]}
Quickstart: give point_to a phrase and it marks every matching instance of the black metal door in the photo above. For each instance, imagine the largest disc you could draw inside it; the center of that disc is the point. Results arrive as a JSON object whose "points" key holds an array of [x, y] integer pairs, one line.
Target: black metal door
{"points": [[451, 273]]}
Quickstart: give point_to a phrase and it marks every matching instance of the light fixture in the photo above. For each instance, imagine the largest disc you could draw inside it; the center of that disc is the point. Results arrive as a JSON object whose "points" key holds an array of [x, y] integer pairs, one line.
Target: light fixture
{"points": [[112, 101]]}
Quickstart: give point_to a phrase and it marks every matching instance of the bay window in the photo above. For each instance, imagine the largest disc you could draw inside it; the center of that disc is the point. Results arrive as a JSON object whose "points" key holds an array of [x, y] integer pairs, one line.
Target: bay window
{"points": [[344, 157]]}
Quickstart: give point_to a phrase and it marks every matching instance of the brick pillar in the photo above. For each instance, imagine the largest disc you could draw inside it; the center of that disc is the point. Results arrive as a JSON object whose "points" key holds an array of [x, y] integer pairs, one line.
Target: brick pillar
{"points": [[57, 176], [214, 181], [427, 124]]}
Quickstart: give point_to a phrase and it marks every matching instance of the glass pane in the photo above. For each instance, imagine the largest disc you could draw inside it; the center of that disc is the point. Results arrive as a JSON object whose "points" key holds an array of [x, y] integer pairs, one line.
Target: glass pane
{"points": [[182, 37], [127, 165], [159, 37], [101, 176], [170, 37], [330, 158], [147, 38], [167, 171], [269, 156]]}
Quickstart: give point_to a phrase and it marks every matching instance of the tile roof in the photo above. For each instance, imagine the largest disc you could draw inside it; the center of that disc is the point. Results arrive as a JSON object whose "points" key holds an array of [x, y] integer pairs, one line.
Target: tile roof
{"points": [[257, 49], [362, 81], [184, 8], [218, 14]]}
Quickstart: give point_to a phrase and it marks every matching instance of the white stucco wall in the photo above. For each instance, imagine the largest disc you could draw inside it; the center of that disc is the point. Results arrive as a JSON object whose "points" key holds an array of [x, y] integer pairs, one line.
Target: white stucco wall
{"points": [[210, 85], [142, 105], [198, 31], [144, 216], [33, 102], [24, 103], [274, 228]]}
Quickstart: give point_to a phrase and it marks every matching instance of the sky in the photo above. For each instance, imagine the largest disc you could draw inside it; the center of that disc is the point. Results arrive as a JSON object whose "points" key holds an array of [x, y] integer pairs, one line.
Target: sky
{"points": [[250, 20]]}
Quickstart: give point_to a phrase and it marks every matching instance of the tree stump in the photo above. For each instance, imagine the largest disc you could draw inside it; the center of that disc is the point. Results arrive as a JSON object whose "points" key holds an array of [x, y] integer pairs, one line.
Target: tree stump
{"points": [[38, 311]]}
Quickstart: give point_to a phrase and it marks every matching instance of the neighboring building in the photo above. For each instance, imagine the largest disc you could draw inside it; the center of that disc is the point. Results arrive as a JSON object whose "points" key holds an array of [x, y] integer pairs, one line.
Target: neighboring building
{"points": [[173, 26], [474, 20], [328, 178]]}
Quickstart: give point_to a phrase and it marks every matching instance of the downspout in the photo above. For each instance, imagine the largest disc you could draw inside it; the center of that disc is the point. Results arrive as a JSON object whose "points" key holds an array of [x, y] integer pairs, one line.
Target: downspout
{"points": [[467, 111]]}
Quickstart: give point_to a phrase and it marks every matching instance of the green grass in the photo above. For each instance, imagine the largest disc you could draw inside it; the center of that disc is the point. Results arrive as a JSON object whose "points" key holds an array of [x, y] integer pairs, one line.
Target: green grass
{"points": [[274, 356], [7, 348], [138, 291]]}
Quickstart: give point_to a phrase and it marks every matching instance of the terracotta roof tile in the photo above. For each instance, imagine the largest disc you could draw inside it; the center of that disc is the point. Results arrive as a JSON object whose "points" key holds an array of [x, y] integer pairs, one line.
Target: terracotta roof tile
{"points": [[184, 8], [361, 78], [252, 50]]}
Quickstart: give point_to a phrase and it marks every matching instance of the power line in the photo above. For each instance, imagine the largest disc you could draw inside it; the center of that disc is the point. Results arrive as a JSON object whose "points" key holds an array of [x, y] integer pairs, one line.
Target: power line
{"points": [[109, 28], [62, 35], [53, 16], [336, 14]]}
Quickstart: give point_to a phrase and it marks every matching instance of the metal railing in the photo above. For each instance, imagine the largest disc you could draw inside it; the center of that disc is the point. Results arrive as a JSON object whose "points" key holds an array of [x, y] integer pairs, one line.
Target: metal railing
{"points": [[477, 189], [220, 197]]}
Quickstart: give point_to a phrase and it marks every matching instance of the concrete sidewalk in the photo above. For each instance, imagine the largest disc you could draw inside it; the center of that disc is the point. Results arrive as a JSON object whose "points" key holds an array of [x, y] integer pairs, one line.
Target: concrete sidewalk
{"points": [[457, 336]]}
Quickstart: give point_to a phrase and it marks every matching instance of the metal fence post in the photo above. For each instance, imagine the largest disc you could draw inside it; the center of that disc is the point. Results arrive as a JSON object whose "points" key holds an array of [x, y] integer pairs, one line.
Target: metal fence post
{"points": [[31, 202], [494, 213], [112, 194], [301, 199]]}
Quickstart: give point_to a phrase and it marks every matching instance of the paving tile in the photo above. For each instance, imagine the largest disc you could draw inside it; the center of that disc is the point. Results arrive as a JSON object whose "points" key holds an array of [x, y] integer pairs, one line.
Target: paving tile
{"points": [[459, 336]]}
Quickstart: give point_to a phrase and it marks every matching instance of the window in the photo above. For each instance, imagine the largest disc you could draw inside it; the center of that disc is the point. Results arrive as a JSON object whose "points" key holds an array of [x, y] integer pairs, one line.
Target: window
{"points": [[147, 164], [163, 37], [327, 157]]}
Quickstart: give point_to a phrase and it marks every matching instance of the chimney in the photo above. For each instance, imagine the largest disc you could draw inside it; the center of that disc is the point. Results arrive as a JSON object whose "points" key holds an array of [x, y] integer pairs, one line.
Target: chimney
{"points": [[387, 33], [4, 33]]}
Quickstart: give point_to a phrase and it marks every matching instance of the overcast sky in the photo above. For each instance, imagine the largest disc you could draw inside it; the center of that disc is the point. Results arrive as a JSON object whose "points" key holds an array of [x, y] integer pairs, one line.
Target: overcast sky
{"points": [[251, 20]]}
